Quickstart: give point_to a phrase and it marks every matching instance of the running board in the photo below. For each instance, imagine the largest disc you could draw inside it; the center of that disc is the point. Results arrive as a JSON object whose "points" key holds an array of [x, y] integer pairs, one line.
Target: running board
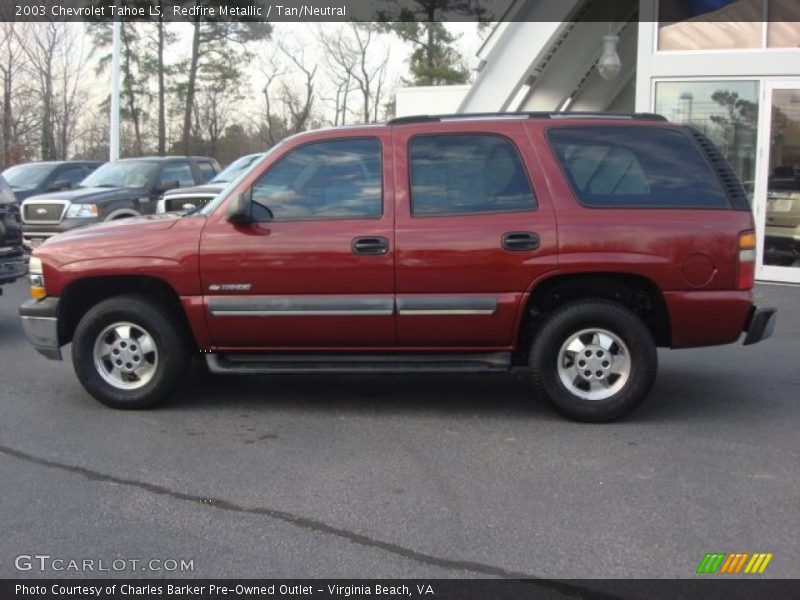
{"points": [[359, 363]]}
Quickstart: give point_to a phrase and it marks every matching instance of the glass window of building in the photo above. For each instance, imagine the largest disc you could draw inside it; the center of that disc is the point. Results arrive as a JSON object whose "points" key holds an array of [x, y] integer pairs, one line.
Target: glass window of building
{"points": [[726, 111]]}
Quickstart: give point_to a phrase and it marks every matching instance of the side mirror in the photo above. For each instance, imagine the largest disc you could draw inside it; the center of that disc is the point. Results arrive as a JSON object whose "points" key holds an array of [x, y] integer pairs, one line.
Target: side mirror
{"points": [[61, 184], [239, 212]]}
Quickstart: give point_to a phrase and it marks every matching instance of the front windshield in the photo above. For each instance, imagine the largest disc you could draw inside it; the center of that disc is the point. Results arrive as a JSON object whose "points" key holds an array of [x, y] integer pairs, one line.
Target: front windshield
{"points": [[224, 192], [232, 171], [125, 174], [26, 177]]}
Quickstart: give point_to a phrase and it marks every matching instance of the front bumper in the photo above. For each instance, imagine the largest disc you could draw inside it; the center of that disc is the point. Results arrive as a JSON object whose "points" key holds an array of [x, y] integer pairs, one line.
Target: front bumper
{"points": [[760, 324], [40, 323]]}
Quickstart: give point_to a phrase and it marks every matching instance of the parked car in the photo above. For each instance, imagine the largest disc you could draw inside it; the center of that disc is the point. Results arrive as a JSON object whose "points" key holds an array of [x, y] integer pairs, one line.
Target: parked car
{"points": [[570, 244], [782, 232], [191, 198], [13, 264], [34, 178], [121, 189]]}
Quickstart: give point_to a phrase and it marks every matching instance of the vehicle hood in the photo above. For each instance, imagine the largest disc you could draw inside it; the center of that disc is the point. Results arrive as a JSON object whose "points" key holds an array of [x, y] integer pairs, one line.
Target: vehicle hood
{"points": [[211, 189], [91, 195], [116, 229]]}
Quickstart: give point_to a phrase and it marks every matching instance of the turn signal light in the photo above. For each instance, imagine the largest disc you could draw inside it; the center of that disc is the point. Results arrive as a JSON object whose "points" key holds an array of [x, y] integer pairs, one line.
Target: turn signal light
{"points": [[747, 260]]}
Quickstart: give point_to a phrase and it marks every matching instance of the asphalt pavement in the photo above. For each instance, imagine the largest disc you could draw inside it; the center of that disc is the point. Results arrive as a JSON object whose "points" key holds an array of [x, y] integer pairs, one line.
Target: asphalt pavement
{"points": [[428, 476]]}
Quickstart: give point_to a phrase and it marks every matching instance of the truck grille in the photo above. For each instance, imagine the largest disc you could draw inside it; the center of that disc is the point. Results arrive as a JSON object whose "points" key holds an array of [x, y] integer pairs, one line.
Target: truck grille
{"points": [[41, 212]]}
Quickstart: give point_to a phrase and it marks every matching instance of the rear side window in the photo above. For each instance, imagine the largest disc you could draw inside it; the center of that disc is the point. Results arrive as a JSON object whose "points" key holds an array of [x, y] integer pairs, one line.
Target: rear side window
{"points": [[180, 172], [72, 174], [636, 167], [467, 174]]}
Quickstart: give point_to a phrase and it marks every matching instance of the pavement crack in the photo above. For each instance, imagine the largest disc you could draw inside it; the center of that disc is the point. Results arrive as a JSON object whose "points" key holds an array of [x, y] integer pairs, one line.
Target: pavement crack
{"points": [[316, 526]]}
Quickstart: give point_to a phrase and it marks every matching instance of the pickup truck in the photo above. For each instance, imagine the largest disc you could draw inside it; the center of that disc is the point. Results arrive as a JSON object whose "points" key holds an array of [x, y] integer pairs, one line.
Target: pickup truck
{"points": [[118, 190], [13, 263], [572, 245]]}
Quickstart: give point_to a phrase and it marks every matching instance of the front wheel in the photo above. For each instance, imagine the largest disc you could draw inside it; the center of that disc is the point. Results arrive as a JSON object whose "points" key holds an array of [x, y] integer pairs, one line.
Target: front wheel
{"points": [[129, 353], [593, 360]]}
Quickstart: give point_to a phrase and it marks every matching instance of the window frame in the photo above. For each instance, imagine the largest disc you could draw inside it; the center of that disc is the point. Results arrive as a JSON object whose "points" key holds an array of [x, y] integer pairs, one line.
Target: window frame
{"points": [[533, 208], [249, 190], [678, 129]]}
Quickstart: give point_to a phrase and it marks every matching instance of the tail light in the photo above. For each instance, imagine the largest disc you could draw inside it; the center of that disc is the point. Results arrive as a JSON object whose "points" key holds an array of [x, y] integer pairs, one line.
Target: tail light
{"points": [[747, 260]]}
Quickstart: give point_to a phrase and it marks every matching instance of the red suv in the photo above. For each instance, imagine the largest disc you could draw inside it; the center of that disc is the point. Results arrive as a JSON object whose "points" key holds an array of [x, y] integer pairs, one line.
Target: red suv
{"points": [[572, 244]]}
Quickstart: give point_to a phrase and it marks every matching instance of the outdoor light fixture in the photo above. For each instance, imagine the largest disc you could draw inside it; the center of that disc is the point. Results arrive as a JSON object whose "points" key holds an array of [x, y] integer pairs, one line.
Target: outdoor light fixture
{"points": [[609, 64]]}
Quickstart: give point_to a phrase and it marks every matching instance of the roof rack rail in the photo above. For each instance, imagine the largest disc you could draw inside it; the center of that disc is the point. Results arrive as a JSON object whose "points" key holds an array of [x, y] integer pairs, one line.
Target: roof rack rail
{"points": [[524, 115]]}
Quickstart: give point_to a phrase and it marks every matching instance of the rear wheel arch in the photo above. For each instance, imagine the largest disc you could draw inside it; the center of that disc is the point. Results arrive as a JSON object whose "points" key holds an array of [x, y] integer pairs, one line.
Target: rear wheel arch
{"points": [[636, 292]]}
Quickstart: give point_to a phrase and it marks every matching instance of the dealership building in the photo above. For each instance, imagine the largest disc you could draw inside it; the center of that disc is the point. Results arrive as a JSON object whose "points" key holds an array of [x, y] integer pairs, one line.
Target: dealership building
{"points": [[734, 73]]}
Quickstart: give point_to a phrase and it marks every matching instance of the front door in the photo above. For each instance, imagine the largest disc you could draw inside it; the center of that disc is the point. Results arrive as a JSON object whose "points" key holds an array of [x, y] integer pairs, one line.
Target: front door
{"points": [[777, 197], [316, 270], [472, 234]]}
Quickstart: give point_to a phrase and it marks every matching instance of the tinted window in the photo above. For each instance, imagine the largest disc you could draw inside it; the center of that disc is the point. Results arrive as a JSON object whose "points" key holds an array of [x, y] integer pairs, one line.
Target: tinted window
{"points": [[207, 171], [180, 172], [457, 174], [71, 174], [123, 173], [29, 176], [326, 180], [636, 166]]}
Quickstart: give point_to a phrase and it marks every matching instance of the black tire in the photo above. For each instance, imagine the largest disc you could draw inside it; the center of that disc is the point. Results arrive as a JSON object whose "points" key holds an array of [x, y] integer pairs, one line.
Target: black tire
{"points": [[171, 349], [563, 325]]}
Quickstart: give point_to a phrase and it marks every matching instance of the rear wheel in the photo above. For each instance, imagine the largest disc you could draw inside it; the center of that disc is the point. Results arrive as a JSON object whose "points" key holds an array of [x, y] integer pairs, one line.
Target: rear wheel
{"points": [[593, 360], [129, 353]]}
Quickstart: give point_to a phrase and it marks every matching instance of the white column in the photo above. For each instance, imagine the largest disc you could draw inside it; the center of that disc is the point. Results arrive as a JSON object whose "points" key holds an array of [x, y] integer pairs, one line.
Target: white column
{"points": [[113, 144]]}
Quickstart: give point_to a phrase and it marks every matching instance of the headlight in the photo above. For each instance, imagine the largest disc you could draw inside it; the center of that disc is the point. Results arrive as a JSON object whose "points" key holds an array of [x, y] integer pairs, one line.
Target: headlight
{"points": [[36, 276], [82, 211]]}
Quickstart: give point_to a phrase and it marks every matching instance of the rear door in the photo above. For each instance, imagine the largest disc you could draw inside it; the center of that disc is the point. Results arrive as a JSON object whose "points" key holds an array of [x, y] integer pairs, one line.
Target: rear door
{"points": [[474, 229], [316, 270]]}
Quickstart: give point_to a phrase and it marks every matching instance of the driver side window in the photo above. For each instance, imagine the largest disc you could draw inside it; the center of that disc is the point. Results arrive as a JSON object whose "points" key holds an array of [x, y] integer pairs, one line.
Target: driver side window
{"points": [[337, 179]]}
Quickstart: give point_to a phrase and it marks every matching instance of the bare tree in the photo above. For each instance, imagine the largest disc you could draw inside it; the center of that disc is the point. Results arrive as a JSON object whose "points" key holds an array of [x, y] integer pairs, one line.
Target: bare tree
{"points": [[354, 59], [288, 71], [56, 60], [12, 64], [299, 103], [273, 127]]}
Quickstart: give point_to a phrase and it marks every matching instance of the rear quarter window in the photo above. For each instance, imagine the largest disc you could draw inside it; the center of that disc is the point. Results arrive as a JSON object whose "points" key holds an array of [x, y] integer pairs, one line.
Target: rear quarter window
{"points": [[645, 167]]}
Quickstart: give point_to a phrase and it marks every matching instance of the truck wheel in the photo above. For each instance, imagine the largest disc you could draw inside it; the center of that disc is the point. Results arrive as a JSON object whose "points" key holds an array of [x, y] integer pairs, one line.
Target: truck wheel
{"points": [[129, 353], [593, 360]]}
